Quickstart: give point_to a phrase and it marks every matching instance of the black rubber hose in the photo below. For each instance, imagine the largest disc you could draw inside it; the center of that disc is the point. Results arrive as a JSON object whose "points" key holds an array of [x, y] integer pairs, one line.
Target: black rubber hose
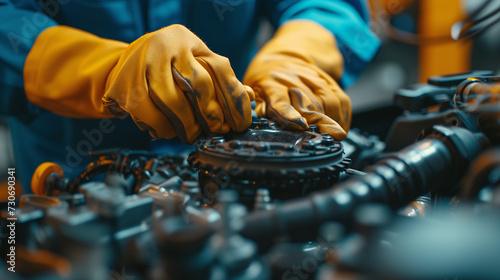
{"points": [[434, 163]]}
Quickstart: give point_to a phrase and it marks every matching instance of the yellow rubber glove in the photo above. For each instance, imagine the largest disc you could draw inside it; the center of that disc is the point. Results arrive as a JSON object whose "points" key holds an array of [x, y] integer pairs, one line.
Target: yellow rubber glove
{"points": [[168, 81], [294, 75]]}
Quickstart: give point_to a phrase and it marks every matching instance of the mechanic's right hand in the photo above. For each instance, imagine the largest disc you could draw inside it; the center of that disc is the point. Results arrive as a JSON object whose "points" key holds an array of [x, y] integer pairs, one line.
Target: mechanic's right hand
{"points": [[169, 81]]}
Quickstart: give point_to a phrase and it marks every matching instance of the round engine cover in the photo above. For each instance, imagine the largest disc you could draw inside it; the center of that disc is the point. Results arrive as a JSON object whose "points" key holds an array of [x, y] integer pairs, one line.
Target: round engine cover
{"points": [[287, 163]]}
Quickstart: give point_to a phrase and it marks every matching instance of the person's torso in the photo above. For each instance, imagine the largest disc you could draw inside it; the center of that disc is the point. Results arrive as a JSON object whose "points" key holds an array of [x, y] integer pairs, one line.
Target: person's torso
{"points": [[228, 27]]}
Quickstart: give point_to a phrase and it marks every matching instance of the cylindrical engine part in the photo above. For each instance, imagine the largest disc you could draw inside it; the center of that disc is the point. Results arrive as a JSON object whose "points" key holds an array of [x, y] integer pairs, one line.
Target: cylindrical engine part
{"points": [[396, 180]]}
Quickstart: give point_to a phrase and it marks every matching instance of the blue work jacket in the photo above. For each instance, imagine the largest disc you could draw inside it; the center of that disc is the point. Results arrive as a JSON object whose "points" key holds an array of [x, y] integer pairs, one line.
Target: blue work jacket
{"points": [[228, 27]]}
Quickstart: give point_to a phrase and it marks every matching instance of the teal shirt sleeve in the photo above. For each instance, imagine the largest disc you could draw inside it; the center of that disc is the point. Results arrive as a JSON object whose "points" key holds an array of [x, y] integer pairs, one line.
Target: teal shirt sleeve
{"points": [[346, 19], [19, 28]]}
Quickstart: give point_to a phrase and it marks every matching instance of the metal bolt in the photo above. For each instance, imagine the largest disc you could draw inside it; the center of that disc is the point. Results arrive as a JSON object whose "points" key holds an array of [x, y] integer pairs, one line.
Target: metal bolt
{"points": [[231, 212], [309, 145], [262, 147], [263, 123], [327, 142], [288, 148], [313, 128], [190, 187], [263, 200], [218, 139]]}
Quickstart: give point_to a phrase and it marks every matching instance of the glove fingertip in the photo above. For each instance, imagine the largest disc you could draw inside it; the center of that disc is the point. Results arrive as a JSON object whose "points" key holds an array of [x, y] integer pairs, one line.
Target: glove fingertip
{"points": [[250, 92], [339, 136], [335, 131], [243, 125], [303, 123], [225, 128], [299, 123]]}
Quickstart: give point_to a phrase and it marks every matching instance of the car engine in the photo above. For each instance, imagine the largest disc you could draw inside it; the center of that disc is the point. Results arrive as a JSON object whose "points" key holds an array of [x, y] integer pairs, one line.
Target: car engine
{"points": [[269, 203]]}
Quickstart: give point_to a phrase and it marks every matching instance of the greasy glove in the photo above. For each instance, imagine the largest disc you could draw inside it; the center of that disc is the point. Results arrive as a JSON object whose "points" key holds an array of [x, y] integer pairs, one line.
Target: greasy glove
{"points": [[168, 81], [294, 75]]}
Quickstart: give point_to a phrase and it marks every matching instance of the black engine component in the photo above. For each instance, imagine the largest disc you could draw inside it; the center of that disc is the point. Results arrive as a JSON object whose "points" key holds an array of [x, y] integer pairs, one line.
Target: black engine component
{"points": [[438, 91], [289, 164], [424, 166], [135, 214], [437, 103], [363, 149], [133, 169]]}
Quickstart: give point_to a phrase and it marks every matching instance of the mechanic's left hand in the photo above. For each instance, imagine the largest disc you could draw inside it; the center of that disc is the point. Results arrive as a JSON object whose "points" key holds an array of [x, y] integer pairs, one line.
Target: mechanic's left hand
{"points": [[293, 79]]}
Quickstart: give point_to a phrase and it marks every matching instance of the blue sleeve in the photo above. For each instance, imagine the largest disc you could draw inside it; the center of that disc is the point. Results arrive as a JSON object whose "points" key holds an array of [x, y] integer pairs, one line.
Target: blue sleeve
{"points": [[20, 26], [346, 19]]}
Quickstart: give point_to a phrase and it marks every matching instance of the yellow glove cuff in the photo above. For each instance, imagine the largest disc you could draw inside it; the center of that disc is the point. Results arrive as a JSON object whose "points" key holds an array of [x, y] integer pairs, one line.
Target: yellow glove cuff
{"points": [[66, 71]]}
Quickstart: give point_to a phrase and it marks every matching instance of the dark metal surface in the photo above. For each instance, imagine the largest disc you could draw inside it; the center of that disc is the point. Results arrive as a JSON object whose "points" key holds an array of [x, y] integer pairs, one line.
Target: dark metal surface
{"points": [[289, 164], [424, 166], [419, 212]]}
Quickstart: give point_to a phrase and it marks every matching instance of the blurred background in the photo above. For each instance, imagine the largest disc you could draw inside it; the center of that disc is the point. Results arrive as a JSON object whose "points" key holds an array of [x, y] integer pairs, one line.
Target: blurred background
{"points": [[416, 44]]}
